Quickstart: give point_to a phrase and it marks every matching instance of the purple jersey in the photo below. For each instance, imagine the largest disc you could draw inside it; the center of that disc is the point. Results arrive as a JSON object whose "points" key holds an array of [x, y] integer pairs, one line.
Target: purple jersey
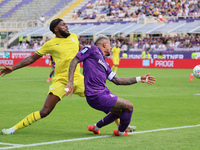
{"points": [[96, 70]]}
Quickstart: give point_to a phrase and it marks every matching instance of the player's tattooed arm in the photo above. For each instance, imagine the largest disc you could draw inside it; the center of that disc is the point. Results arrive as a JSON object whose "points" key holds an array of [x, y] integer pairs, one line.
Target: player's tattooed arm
{"points": [[72, 68], [123, 81], [27, 61]]}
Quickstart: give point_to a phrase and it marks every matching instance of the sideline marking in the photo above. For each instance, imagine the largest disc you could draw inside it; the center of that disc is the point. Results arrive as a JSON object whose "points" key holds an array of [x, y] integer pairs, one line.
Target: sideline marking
{"points": [[88, 138]]}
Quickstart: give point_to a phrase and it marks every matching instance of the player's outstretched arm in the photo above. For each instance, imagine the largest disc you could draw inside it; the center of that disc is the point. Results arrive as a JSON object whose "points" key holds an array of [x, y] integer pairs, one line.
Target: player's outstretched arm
{"points": [[27, 61], [128, 81], [72, 68]]}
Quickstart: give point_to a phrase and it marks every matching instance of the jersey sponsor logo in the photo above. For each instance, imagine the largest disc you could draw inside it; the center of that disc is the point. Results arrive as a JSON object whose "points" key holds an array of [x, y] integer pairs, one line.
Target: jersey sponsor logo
{"points": [[57, 43], [73, 39], [102, 63], [84, 50]]}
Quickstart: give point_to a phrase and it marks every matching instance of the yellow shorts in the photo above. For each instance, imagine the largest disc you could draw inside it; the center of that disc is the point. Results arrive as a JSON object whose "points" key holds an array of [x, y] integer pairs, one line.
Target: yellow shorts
{"points": [[58, 85], [116, 61]]}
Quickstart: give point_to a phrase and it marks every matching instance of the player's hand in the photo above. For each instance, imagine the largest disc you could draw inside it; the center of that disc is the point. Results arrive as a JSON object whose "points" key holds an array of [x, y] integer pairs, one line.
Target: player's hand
{"points": [[5, 70], [148, 79], [69, 89]]}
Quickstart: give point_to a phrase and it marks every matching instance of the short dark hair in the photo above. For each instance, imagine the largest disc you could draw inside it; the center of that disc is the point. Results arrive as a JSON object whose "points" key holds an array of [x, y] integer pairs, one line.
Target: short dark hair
{"points": [[54, 23]]}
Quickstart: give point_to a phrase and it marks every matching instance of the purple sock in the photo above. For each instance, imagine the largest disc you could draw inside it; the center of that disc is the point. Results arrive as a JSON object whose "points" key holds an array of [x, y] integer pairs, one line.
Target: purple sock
{"points": [[107, 120], [125, 120]]}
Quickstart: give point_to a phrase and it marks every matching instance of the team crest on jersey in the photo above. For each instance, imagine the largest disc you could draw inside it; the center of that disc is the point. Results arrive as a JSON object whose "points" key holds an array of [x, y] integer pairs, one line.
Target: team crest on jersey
{"points": [[73, 39], [84, 50], [52, 88]]}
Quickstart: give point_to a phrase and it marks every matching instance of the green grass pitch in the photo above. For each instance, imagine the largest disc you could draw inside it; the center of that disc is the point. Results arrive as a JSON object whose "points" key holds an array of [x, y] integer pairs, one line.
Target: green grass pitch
{"points": [[173, 101]]}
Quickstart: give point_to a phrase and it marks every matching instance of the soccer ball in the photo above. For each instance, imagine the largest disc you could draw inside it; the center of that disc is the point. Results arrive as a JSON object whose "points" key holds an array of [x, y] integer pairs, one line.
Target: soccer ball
{"points": [[196, 71]]}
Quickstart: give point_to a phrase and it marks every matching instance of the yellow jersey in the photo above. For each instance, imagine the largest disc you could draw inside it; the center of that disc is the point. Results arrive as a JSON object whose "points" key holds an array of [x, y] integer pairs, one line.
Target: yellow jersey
{"points": [[143, 54], [148, 56], [194, 55], [62, 50], [115, 52]]}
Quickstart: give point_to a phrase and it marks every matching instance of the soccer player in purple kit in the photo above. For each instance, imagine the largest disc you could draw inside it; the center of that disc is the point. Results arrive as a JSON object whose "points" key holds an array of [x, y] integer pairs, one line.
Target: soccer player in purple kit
{"points": [[96, 71]]}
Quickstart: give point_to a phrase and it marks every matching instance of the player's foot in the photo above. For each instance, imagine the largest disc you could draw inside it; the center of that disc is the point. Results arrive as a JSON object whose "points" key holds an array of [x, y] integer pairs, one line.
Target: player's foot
{"points": [[131, 128], [191, 77], [116, 133], [91, 128], [49, 79], [8, 131]]}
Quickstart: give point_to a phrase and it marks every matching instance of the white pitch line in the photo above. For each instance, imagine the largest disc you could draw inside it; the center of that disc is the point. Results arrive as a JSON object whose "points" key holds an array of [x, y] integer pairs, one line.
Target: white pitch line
{"points": [[1, 143], [23, 81], [95, 137], [196, 94]]}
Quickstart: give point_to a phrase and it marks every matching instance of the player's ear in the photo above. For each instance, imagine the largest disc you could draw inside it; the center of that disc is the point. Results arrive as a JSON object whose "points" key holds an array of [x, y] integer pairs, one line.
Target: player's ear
{"points": [[104, 45], [55, 30]]}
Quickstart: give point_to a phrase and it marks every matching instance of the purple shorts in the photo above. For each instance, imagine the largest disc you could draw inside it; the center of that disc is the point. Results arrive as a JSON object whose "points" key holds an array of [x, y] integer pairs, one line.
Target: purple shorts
{"points": [[102, 101]]}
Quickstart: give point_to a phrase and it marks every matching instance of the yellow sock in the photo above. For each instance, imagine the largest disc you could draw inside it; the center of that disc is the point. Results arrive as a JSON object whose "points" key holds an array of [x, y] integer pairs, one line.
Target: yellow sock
{"points": [[117, 121], [28, 120], [115, 69]]}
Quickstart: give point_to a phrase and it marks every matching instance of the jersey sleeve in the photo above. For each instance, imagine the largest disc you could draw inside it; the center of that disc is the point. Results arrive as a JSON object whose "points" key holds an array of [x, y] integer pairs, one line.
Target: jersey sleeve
{"points": [[43, 50], [113, 49], [84, 53], [77, 39], [110, 73]]}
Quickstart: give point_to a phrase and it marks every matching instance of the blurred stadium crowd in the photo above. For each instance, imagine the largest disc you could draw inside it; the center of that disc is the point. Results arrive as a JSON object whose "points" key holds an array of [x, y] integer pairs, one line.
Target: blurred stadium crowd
{"points": [[118, 10], [126, 10], [160, 43]]}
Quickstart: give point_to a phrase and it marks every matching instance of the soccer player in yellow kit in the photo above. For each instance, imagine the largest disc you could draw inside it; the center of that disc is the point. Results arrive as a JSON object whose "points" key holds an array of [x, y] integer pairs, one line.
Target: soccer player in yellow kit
{"points": [[115, 57], [63, 48]]}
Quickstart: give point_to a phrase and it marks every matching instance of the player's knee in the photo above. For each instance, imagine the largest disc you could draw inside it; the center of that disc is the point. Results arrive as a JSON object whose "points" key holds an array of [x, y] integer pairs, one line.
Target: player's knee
{"points": [[44, 113], [130, 107]]}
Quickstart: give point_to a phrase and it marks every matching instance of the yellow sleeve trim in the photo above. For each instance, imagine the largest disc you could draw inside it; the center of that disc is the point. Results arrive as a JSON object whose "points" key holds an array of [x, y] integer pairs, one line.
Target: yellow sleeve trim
{"points": [[38, 53]]}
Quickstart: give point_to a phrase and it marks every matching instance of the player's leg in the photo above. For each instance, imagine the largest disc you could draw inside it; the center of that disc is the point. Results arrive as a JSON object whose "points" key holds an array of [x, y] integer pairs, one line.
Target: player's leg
{"points": [[49, 105], [116, 67], [129, 128], [126, 109], [113, 67], [103, 102], [119, 108], [51, 74], [103, 122], [191, 77], [117, 121]]}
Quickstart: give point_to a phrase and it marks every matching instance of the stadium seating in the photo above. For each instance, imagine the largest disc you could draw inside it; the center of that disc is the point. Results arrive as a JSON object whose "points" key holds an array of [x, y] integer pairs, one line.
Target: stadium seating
{"points": [[137, 13], [12, 10], [23, 10], [56, 7]]}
